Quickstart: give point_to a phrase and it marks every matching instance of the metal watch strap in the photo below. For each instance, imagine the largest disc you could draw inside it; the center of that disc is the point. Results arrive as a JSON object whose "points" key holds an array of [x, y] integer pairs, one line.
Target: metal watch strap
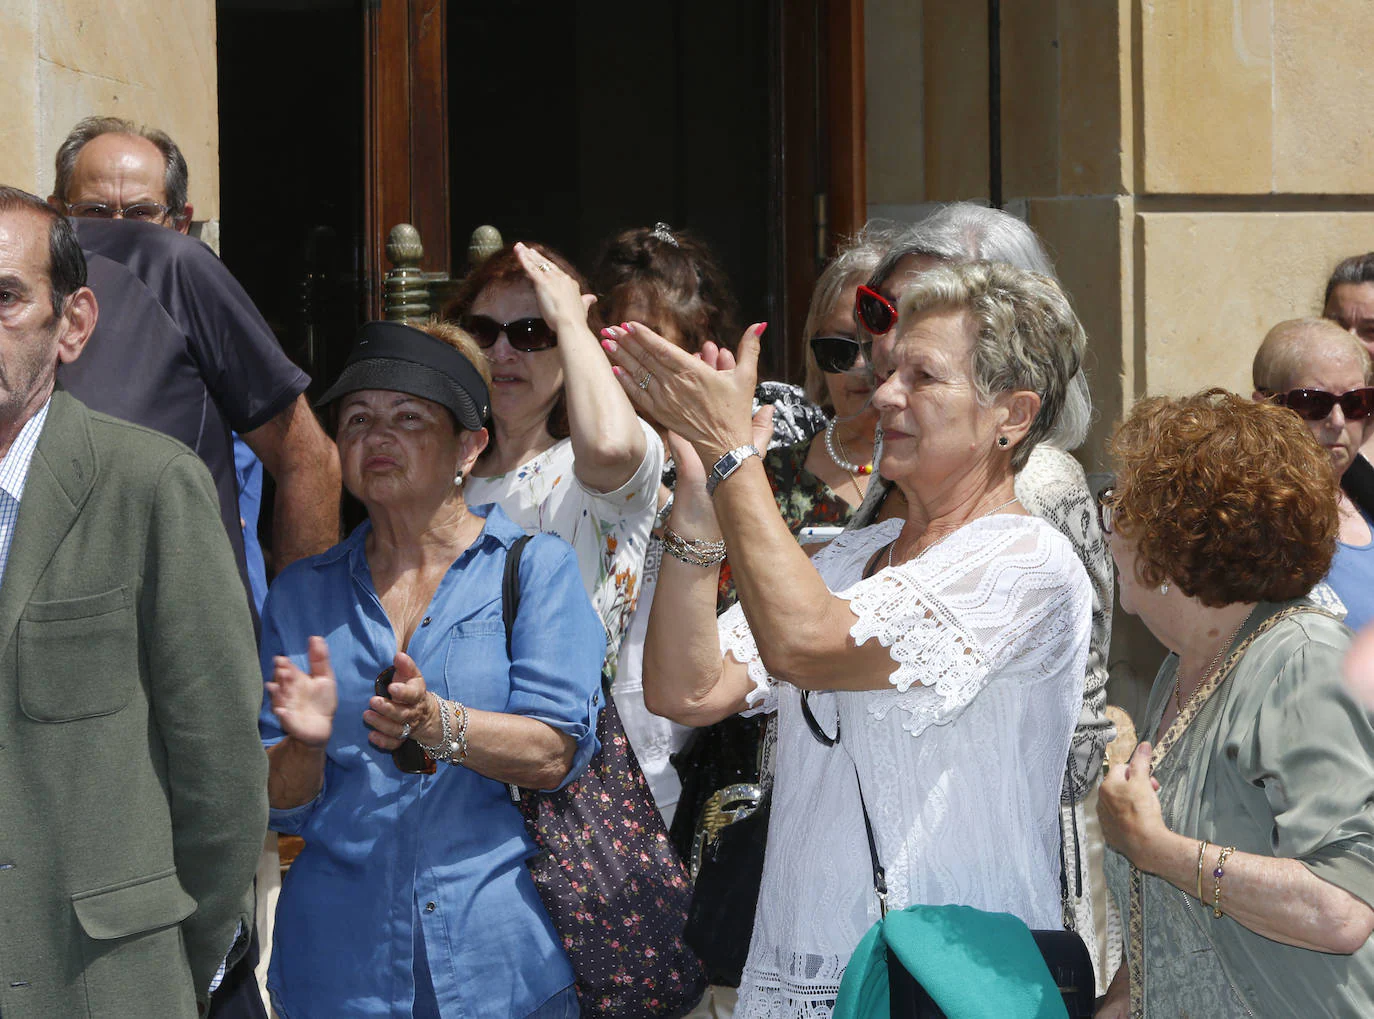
{"points": [[728, 464]]}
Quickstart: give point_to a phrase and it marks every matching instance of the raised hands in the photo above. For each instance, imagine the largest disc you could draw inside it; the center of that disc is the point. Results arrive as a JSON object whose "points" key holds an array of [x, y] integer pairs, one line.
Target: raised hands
{"points": [[304, 703], [561, 301], [708, 400]]}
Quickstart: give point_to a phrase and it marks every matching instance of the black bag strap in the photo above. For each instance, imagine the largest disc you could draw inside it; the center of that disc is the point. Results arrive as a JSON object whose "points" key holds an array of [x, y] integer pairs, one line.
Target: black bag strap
{"points": [[822, 737], [510, 587]]}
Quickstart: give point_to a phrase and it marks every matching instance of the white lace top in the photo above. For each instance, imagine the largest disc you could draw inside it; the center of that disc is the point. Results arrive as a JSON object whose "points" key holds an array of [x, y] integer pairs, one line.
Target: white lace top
{"points": [[962, 761]]}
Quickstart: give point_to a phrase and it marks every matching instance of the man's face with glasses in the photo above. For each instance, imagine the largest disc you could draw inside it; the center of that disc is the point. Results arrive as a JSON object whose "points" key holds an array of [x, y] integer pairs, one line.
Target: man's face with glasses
{"points": [[121, 176]]}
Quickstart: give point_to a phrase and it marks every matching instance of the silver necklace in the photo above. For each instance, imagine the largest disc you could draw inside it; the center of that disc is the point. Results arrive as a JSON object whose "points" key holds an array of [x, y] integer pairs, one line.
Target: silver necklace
{"points": [[893, 547]]}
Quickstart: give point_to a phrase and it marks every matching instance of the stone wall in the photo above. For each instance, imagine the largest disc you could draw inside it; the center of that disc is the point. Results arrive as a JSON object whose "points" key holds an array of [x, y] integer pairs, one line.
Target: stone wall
{"points": [[1195, 167], [153, 62]]}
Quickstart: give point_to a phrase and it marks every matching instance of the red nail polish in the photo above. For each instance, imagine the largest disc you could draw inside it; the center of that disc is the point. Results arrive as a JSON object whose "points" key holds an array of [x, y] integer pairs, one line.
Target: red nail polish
{"points": [[625, 326], [762, 327], [617, 370]]}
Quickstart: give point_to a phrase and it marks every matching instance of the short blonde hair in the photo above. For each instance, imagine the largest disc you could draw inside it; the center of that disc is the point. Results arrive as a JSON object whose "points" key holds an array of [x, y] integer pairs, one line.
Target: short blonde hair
{"points": [[460, 340], [1027, 336]]}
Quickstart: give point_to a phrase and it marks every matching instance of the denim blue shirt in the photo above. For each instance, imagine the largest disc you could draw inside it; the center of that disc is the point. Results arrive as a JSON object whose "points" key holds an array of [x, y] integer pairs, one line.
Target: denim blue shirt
{"points": [[387, 853]]}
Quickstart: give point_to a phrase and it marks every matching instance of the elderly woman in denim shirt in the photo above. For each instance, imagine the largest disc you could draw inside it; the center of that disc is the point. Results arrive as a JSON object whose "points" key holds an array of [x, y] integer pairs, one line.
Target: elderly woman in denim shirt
{"points": [[411, 896]]}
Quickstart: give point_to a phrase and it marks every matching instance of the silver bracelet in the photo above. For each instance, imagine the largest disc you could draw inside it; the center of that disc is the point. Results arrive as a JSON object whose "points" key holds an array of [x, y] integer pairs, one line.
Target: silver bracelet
{"points": [[445, 749], [692, 551], [460, 740]]}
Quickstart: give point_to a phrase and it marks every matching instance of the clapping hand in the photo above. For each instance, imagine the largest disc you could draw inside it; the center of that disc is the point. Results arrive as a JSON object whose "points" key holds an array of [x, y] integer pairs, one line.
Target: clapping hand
{"points": [[305, 702], [706, 400]]}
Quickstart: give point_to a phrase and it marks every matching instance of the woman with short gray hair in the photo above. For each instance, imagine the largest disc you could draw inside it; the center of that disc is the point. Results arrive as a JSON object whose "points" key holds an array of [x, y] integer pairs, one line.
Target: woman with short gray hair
{"points": [[981, 614], [1051, 485]]}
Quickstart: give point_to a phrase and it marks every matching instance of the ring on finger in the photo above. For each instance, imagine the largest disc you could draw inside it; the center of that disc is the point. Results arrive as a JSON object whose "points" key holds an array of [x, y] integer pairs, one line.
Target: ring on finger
{"points": [[644, 382], [405, 731], [544, 267]]}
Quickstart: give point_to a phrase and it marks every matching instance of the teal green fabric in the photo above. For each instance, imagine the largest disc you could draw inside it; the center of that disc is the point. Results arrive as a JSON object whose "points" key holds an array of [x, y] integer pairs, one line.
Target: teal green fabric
{"points": [[975, 965]]}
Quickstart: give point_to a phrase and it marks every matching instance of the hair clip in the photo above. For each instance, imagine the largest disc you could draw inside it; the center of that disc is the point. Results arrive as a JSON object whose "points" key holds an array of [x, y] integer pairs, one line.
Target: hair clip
{"points": [[663, 232]]}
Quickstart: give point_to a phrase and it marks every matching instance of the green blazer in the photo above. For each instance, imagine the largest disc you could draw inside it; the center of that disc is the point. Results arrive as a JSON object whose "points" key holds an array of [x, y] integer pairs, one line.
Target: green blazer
{"points": [[133, 786]]}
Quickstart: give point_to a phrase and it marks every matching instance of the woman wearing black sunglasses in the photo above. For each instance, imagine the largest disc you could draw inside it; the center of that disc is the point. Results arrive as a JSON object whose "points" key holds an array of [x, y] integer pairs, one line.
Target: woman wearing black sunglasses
{"points": [[1323, 374], [568, 454]]}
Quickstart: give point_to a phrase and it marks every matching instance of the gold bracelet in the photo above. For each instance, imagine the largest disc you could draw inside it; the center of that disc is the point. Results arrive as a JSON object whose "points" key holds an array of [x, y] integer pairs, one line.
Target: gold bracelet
{"points": [[1218, 874], [1201, 850]]}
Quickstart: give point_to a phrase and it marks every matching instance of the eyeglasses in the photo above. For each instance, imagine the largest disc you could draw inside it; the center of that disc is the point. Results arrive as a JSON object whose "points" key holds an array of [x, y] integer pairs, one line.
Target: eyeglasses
{"points": [[525, 334], [875, 311], [144, 212], [1106, 509], [835, 354], [1316, 404]]}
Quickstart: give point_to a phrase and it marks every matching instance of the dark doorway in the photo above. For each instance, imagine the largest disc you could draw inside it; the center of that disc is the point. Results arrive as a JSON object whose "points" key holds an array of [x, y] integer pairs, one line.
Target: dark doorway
{"points": [[291, 169], [573, 121]]}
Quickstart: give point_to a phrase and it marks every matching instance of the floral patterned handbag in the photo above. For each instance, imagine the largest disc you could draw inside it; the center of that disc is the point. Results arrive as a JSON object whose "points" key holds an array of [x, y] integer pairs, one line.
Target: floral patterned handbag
{"points": [[612, 882]]}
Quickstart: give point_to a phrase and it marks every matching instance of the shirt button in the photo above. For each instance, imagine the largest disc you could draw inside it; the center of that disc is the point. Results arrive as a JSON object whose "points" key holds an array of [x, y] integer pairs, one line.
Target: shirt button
{"points": [[425, 621], [430, 907]]}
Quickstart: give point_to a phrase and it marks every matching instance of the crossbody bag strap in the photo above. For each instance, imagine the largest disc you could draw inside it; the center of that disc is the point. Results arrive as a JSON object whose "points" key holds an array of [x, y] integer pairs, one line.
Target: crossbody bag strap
{"points": [[510, 605], [825, 739], [1135, 925]]}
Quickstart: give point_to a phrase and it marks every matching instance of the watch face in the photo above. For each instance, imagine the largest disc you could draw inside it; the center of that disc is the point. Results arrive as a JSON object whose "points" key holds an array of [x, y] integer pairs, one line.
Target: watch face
{"points": [[726, 464]]}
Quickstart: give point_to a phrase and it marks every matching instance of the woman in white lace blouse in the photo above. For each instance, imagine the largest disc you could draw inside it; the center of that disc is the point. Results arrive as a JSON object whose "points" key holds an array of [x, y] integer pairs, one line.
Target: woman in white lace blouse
{"points": [[955, 722]]}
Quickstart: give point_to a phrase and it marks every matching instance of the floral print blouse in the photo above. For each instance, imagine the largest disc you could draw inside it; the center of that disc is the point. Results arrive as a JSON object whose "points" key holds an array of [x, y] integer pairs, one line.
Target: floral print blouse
{"points": [[609, 531]]}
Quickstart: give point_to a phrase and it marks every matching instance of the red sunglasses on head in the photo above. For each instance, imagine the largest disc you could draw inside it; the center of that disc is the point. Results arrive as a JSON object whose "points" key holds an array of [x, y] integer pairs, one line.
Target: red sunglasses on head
{"points": [[875, 312], [1316, 404]]}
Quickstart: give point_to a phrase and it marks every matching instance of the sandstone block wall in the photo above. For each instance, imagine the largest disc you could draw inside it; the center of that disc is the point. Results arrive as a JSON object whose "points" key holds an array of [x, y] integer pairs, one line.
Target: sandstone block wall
{"points": [[152, 61]]}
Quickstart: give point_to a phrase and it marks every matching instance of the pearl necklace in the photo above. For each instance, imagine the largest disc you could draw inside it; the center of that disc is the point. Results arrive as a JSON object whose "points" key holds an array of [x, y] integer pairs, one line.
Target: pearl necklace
{"points": [[842, 462], [893, 547]]}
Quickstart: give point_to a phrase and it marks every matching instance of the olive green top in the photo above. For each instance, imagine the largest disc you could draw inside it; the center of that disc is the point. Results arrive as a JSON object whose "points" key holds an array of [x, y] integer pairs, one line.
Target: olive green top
{"points": [[1280, 763]]}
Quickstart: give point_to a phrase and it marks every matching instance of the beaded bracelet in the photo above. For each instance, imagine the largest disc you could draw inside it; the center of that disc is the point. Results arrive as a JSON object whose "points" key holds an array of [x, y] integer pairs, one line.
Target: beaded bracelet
{"points": [[1201, 852], [692, 551], [1217, 874]]}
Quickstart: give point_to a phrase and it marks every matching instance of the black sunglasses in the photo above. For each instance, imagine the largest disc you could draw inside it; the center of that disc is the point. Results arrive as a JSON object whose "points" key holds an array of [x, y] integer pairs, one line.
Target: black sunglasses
{"points": [[525, 334], [875, 311], [835, 354], [1106, 509], [1316, 404], [409, 757]]}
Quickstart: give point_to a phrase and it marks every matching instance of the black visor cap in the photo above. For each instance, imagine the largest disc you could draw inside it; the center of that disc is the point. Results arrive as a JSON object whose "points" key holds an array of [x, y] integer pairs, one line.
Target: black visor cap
{"points": [[401, 358]]}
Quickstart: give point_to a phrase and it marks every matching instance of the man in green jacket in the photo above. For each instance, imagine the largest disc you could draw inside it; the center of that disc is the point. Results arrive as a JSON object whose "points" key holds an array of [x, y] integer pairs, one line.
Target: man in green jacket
{"points": [[132, 780]]}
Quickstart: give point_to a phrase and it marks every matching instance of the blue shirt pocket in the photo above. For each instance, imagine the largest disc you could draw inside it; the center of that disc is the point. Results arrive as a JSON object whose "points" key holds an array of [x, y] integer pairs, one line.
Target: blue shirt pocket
{"points": [[476, 669]]}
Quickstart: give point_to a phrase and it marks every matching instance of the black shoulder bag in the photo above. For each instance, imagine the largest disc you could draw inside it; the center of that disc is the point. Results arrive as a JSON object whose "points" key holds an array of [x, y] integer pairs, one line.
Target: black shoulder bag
{"points": [[1063, 950]]}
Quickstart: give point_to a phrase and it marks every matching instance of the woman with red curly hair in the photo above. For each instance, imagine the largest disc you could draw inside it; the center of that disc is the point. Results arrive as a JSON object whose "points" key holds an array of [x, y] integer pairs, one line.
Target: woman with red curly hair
{"points": [[1243, 829]]}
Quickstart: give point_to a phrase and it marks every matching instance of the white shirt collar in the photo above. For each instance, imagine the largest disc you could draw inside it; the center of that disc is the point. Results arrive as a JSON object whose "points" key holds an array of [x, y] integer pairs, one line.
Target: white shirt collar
{"points": [[14, 466]]}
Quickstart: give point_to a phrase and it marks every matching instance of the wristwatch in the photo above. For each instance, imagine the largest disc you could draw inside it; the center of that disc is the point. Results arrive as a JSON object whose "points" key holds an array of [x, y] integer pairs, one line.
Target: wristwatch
{"points": [[728, 464]]}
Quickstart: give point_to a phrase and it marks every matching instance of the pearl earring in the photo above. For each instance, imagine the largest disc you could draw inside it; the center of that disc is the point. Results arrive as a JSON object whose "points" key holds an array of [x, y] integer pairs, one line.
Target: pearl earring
{"points": [[458, 478], [1164, 588]]}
